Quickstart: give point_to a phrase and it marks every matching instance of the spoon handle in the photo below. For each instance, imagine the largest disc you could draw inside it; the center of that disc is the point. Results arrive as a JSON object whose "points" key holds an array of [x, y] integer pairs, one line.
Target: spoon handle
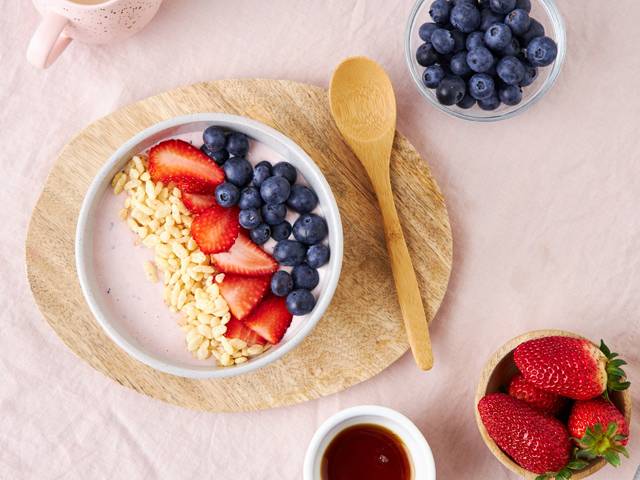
{"points": [[404, 275]]}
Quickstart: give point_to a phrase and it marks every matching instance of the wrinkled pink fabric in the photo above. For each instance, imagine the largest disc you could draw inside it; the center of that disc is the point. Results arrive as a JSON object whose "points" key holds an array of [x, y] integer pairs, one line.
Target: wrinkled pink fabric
{"points": [[544, 208]]}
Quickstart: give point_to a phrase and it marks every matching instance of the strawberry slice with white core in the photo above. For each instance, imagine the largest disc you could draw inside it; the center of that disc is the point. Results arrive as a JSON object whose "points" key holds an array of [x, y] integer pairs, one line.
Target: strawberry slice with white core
{"points": [[245, 258], [243, 293], [197, 203], [236, 329], [270, 319], [216, 229], [180, 162]]}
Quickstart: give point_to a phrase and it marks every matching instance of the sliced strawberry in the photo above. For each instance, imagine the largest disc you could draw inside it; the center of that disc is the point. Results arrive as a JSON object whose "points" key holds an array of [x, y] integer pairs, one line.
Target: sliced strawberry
{"points": [[216, 229], [180, 162], [243, 293], [270, 319], [236, 329], [197, 203], [245, 258]]}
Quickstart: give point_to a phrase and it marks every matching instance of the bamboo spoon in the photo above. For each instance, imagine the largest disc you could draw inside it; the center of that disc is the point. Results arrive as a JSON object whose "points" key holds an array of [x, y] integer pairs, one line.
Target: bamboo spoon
{"points": [[363, 106]]}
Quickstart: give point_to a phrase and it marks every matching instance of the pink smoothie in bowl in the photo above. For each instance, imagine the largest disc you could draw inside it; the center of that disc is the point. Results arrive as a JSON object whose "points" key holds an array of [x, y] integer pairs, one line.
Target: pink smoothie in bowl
{"points": [[111, 263]]}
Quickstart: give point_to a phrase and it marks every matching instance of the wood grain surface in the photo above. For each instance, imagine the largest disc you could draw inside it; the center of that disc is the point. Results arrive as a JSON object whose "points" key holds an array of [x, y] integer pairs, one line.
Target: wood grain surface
{"points": [[497, 374], [361, 333]]}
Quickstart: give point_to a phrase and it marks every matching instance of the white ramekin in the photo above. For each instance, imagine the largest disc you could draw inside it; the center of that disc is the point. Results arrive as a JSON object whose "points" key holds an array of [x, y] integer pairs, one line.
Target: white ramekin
{"points": [[173, 127], [420, 456]]}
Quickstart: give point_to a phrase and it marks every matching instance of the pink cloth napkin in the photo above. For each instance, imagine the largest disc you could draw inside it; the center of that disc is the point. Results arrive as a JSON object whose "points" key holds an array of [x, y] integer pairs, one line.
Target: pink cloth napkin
{"points": [[544, 210]]}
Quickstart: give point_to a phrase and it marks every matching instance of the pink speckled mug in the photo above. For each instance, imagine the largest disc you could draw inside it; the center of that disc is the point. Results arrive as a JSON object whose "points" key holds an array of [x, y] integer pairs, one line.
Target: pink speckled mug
{"points": [[89, 21]]}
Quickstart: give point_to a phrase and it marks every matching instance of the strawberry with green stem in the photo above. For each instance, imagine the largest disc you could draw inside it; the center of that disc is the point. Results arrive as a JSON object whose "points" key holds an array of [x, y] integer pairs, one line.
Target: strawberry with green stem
{"points": [[571, 367], [599, 429]]}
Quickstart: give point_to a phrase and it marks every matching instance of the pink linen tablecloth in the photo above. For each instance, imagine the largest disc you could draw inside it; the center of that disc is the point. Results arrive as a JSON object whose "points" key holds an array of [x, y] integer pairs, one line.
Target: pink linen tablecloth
{"points": [[544, 209]]}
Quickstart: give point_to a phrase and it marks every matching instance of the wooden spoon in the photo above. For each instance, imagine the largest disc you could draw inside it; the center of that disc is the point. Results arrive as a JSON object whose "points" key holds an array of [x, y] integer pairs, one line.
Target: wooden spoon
{"points": [[363, 106]]}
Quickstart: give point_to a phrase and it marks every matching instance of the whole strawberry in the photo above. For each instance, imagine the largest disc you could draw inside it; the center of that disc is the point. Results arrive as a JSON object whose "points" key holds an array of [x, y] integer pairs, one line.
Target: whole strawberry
{"points": [[571, 367], [599, 430], [546, 402], [537, 442]]}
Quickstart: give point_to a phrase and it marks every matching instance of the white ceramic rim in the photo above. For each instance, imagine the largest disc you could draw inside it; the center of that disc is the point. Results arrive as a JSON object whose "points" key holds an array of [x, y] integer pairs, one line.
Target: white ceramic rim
{"points": [[560, 35], [254, 129], [417, 445]]}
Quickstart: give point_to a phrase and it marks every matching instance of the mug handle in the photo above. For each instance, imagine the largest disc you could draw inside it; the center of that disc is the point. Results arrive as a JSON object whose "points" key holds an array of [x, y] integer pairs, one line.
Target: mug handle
{"points": [[48, 42]]}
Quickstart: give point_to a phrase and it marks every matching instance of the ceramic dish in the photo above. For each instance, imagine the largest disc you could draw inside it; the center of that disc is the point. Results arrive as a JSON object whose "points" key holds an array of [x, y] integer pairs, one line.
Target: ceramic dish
{"points": [[422, 463], [545, 11], [128, 307], [497, 373]]}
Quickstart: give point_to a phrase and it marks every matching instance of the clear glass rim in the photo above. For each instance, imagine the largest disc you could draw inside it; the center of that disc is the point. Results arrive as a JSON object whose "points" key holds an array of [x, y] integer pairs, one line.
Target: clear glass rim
{"points": [[560, 35]]}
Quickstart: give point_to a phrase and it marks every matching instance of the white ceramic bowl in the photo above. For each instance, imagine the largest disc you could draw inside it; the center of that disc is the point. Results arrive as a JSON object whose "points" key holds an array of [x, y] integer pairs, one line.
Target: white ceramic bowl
{"points": [[109, 313], [422, 463]]}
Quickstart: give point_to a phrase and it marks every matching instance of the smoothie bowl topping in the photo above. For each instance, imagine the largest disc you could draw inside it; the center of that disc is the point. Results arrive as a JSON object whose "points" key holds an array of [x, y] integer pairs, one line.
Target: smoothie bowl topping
{"points": [[239, 244]]}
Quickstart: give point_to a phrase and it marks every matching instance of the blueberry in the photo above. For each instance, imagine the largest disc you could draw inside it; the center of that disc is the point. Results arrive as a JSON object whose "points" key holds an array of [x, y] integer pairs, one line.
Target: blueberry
{"points": [[488, 18], [260, 234], [459, 65], [481, 86], [480, 59], [502, 6], [274, 214], [513, 49], [475, 40], [318, 255], [289, 253], [238, 171], [300, 302], [281, 283], [490, 103], [524, 5], [467, 102], [518, 21], [426, 55], [459, 39], [510, 70], [450, 90], [227, 194], [510, 95], [498, 36], [250, 198], [281, 231], [442, 41], [286, 170], [541, 51], [439, 11], [261, 172], [302, 199], [305, 277], [426, 29], [275, 190], [238, 144], [465, 17], [535, 30], [530, 75], [310, 228], [219, 157], [249, 218], [432, 76], [214, 138]]}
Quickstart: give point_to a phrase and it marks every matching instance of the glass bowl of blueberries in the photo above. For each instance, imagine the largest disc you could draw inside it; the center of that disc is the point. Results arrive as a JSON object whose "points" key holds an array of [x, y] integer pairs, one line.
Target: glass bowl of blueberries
{"points": [[485, 60]]}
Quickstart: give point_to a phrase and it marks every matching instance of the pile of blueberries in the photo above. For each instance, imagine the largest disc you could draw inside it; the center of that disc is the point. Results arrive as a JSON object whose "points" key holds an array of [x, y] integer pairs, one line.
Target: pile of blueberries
{"points": [[264, 194], [482, 51]]}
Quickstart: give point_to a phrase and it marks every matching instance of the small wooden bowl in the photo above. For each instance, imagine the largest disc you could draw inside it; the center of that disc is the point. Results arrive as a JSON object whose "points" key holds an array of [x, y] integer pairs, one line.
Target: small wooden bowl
{"points": [[496, 376]]}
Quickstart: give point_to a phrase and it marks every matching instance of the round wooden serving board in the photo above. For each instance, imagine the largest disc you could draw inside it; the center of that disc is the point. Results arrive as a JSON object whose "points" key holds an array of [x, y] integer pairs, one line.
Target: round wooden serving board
{"points": [[361, 333]]}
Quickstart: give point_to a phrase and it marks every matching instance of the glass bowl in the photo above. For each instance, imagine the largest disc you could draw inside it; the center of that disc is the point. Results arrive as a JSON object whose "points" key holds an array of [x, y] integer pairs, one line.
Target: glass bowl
{"points": [[545, 11]]}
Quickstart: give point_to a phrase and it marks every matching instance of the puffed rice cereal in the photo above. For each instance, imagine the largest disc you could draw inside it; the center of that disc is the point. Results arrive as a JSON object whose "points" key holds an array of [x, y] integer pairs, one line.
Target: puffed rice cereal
{"points": [[155, 212]]}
